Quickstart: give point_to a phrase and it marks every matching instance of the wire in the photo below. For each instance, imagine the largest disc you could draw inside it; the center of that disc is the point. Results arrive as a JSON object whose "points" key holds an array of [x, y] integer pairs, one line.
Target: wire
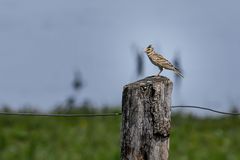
{"points": [[105, 114], [60, 115], [208, 109]]}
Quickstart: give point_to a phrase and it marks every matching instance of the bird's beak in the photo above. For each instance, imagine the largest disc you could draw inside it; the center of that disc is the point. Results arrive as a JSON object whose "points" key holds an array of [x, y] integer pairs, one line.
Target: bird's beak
{"points": [[145, 50]]}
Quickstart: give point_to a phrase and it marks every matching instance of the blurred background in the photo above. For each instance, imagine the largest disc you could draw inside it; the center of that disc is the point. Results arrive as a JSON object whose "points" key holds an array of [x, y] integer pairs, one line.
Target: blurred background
{"points": [[75, 56], [44, 43]]}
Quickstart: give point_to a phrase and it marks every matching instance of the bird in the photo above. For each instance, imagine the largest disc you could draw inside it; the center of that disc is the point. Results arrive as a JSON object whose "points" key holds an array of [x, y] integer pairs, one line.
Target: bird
{"points": [[161, 62]]}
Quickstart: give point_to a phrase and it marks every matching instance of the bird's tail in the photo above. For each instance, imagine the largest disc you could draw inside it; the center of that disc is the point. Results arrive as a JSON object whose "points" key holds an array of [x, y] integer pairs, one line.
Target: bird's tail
{"points": [[178, 72]]}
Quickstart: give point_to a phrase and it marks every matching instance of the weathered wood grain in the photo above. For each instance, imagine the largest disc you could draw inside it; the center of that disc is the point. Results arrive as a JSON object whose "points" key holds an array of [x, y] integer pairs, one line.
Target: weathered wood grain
{"points": [[146, 108]]}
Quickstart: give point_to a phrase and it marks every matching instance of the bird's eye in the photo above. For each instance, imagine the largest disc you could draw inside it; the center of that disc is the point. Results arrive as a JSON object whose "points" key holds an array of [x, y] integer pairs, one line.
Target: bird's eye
{"points": [[149, 50]]}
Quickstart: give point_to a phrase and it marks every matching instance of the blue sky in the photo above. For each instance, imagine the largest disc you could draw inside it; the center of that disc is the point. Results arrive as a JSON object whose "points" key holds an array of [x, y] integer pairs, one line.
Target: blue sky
{"points": [[44, 42]]}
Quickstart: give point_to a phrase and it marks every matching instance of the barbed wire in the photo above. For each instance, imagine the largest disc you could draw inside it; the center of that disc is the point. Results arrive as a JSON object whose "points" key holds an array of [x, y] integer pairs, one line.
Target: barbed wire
{"points": [[106, 114]]}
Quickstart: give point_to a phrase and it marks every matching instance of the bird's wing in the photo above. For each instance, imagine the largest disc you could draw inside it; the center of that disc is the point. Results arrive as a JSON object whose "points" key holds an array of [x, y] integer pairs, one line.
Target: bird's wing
{"points": [[164, 62]]}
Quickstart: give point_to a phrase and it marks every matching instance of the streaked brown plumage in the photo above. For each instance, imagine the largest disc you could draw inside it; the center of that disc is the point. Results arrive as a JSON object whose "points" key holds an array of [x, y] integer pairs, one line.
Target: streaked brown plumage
{"points": [[161, 62]]}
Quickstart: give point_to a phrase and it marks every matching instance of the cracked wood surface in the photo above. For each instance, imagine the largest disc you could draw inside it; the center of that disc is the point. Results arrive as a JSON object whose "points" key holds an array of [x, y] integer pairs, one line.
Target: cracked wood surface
{"points": [[146, 108]]}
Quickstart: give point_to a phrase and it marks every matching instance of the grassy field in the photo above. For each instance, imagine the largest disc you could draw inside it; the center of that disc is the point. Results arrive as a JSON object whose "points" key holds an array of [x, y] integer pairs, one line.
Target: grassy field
{"points": [[46, 138]]}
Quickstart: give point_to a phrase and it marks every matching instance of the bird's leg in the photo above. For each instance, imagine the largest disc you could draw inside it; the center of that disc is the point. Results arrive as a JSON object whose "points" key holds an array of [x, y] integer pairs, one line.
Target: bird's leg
{"points": [[161, 69]]}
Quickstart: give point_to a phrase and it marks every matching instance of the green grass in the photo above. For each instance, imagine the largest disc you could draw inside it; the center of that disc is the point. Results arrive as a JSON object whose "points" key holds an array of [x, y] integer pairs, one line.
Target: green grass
{"points": [[46, 138], [208, 138]]}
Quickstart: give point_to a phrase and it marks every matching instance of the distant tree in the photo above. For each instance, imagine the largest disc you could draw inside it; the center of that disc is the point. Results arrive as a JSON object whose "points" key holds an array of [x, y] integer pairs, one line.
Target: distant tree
{"points": [[139, 58], [234, 109], [70, 102], [77, 81], [6, 108], [177, 63], [28, 108]]}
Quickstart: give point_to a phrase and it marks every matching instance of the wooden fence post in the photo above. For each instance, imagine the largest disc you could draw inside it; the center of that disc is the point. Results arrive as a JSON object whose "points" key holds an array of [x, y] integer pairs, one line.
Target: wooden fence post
{"points": [[146, 116]]}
